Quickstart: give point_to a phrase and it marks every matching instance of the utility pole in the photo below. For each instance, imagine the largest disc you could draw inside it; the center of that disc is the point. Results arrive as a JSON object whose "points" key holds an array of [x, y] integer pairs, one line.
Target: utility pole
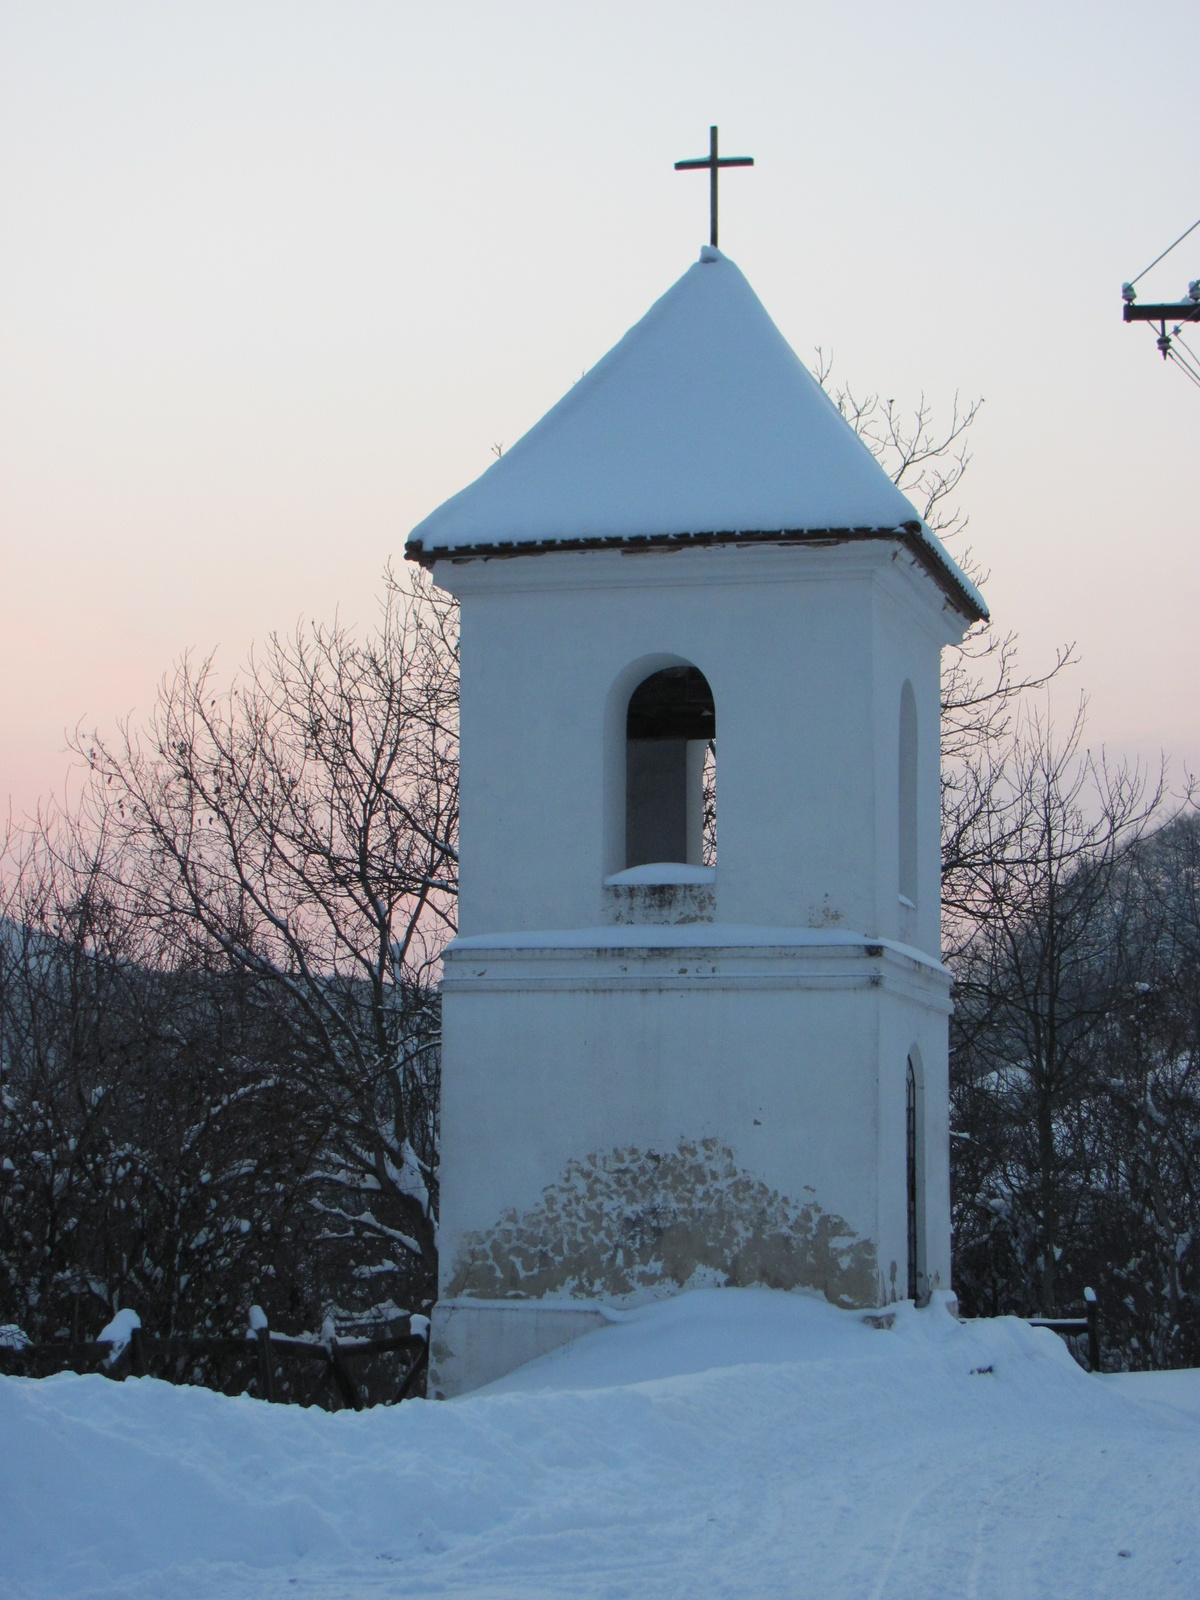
{"points": [[1177, 311], [1174, 311]]}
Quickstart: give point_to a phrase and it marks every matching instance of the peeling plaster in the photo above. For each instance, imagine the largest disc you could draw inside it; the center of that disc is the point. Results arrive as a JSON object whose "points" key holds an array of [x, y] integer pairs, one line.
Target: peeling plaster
{"points": [[640, 1223], [824, 915], [663, 903]]}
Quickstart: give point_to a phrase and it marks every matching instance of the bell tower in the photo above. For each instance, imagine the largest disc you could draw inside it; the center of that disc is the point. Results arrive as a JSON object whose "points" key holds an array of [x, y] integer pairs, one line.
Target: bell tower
{"points": [[695, 1020]]}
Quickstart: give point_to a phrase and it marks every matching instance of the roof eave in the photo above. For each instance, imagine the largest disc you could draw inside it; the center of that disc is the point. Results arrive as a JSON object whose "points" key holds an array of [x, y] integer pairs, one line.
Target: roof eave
{"points": [[910, 534]]}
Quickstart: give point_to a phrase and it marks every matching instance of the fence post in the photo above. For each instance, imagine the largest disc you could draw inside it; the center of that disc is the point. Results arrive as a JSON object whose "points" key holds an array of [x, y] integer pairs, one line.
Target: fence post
{"points": [[266, 1367], [346, 1386], [1093, 1328], [137, 1352], [261, 1330], [420, 1362]]}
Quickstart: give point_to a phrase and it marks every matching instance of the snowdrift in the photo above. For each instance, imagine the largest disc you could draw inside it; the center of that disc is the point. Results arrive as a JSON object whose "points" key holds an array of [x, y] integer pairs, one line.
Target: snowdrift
{"points": [[725, 1443]]}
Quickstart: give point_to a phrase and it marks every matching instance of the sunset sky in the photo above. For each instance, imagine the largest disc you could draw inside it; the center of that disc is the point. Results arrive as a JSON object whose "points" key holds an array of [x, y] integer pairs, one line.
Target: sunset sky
{"points": [[276, 277]]}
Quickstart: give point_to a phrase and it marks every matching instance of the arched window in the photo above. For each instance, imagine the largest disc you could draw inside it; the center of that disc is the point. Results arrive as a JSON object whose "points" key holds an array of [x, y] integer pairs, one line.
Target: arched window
{"points": [[670, 733], [908, 795]]}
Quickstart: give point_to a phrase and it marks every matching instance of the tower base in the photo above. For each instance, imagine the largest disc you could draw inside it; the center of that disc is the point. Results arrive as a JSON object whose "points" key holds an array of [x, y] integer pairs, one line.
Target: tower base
{"points": [[694, 1105], [477, 1341]]}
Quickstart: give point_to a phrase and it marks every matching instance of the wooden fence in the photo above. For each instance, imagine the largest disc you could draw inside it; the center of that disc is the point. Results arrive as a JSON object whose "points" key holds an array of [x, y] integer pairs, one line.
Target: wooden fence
{"points": [[1075, 1327], [258, 1360], [259, 1356]]}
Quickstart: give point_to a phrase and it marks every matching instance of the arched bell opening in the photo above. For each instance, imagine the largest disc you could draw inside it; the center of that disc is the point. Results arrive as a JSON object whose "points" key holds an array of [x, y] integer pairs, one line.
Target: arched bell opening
{"points": [[670, 770]]}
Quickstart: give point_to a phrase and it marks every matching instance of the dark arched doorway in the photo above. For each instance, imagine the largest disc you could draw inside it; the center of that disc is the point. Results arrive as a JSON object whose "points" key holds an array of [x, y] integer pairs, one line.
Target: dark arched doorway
{"points": [[912, 1171]]}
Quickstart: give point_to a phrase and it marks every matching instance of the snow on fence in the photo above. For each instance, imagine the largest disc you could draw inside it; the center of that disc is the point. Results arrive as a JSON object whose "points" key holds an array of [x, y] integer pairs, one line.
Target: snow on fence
{"points": [[1073, 1327], [124, 1349]]}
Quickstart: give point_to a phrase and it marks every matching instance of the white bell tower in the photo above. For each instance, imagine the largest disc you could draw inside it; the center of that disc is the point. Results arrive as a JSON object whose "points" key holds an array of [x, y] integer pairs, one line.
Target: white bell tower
{"points": [[671, 1059]]}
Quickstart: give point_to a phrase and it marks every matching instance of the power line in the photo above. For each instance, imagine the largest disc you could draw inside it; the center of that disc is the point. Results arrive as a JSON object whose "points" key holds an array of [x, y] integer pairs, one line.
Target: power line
{"points": [[1166, 252], [1183, 366]]}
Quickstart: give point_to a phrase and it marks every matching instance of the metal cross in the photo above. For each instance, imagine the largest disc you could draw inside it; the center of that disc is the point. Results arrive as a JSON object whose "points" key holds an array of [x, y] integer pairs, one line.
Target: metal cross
{"points": [[712, 161]]}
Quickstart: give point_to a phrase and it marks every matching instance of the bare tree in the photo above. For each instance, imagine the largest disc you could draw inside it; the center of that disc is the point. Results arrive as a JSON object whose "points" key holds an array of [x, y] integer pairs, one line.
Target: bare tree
{"points": [[924, 457], [300, 827], [1148, 1137], [152, 1146], [983, 685], [1049, 952]]}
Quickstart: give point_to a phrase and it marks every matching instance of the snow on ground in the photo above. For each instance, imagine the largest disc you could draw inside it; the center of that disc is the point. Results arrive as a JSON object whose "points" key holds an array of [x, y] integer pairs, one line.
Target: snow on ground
{"points": [[731, 1443]]}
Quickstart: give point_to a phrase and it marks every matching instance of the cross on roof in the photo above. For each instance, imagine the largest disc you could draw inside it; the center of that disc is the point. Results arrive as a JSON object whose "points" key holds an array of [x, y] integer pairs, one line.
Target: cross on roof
{"points": [[712, 161]]}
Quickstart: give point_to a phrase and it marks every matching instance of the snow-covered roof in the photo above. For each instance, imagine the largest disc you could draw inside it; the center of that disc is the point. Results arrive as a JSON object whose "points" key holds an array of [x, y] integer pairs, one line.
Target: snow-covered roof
{"points": [[702, 424]]}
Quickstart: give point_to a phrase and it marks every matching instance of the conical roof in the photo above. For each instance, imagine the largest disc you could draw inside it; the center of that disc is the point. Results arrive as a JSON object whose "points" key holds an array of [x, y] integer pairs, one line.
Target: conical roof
{"points": [[701, 424]]}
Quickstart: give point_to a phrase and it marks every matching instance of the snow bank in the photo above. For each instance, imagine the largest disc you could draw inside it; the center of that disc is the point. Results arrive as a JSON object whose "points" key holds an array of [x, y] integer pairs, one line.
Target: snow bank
{"points": [[726, 1443], [710, 1329]]}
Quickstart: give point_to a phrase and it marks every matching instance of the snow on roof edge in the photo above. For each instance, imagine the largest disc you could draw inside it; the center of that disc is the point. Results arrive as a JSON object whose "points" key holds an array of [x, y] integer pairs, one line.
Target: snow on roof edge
{"points": [[955, 573], [919, 537]]}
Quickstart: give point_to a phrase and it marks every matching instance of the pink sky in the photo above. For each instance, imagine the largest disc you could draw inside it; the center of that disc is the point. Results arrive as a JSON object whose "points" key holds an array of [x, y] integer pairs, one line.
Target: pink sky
{"points": [[276, 277]]}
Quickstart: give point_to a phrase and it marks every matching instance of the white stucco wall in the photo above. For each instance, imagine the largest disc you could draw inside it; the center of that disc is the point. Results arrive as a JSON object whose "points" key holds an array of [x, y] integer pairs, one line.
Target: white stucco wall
{"points": [[806, 651], [779, 1033], [791, 1058]]}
